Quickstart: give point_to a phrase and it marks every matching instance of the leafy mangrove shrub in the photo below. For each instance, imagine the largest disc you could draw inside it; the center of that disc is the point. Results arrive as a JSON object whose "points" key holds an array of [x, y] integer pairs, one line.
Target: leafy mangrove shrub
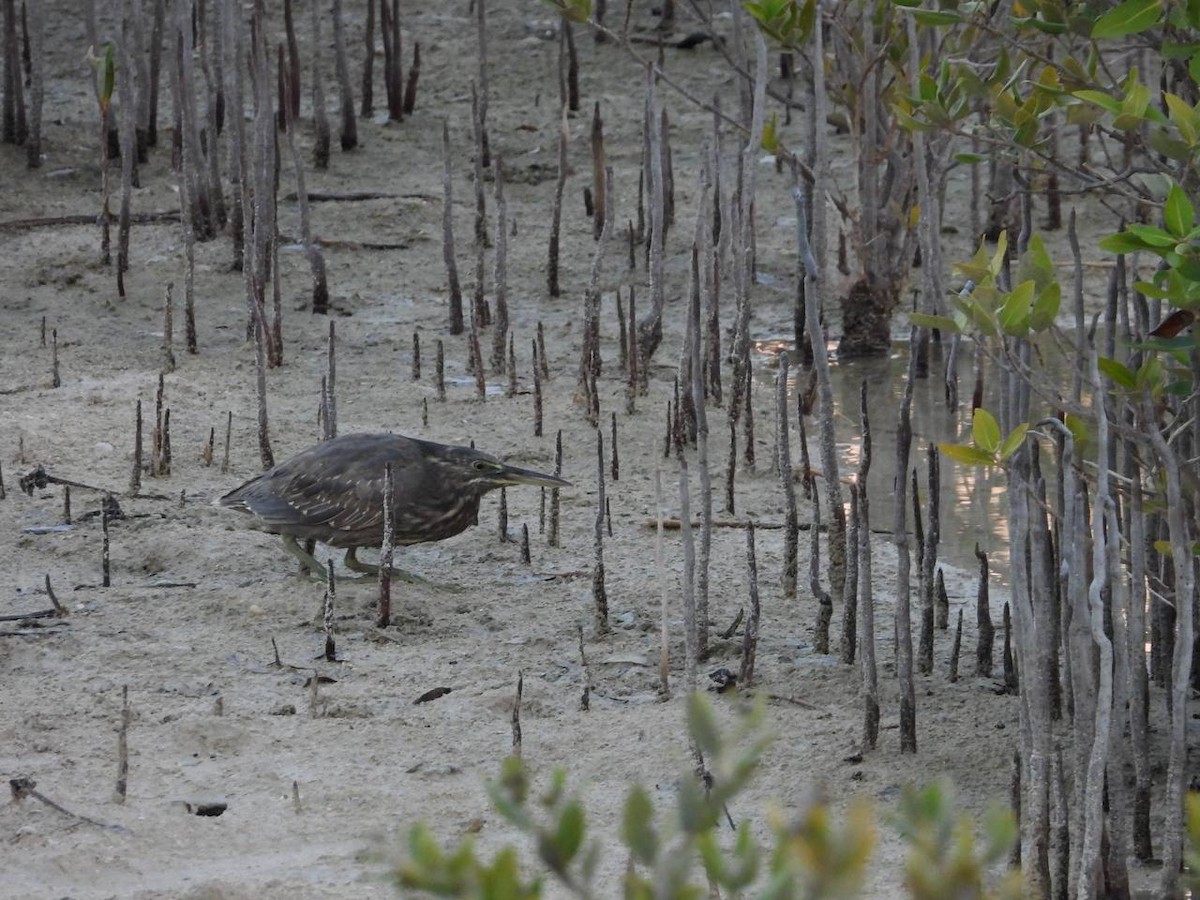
{"points": [[690, 851]]}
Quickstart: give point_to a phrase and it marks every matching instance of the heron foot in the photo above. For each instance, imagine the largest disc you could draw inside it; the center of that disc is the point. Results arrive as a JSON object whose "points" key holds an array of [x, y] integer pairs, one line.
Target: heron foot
{"points": [[354, 564], [314, 565]]}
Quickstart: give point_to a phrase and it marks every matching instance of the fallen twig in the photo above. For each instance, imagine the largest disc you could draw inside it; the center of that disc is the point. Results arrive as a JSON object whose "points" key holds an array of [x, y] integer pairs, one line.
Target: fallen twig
{"points": [[23, 788], [148, 218]]}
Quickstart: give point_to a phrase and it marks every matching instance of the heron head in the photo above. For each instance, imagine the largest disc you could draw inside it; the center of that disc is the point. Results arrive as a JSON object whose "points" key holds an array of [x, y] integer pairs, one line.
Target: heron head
{"points": [[482, 472]]}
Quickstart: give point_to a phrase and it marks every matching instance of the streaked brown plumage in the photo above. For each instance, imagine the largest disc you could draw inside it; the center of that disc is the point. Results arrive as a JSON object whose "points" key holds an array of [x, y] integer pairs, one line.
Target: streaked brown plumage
{"points": [[333, 492]]}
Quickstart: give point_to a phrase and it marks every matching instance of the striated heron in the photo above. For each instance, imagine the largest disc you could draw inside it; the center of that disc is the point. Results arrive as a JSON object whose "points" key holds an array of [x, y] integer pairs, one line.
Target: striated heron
{"points": [[333, 493]]}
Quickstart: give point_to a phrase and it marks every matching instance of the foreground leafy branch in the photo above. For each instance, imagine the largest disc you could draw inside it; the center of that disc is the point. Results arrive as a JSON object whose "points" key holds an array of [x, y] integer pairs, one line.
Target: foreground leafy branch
{"points": [[689, 851]]}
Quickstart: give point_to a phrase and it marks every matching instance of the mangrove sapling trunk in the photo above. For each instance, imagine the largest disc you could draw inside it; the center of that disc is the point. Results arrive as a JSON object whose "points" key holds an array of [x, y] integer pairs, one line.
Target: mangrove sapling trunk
{"points": [[158, 26], [500, 273], [552, 536], [1139, 688], [1181, 539], [476, 362], [622, 335], [552, 284], [485, 153], [955, 648], [414, 78], [928, 562], [128, 116], [107, 81], [214, 108], [850, 606], [599, 182], [750, 635], [590, 362], [448, 256], [511, 389], [866, 622], [383, 616], [985, 633], [15, 128], [826, 411], [537, 396], [850, 627], [572, 65], [650, 328], [349, 132], [316, 260], [696, 389], [791, 528], [238, 165], [690, 630], [822, 596], [200, 192], [330, 382], [367, 108], [903, 631], [321, 135], [1093, 798], [1030, 657], [1120, 790], [1060, 835], [33, 140], [329, 601], [291, 71], [393, 63], [633, 380]]}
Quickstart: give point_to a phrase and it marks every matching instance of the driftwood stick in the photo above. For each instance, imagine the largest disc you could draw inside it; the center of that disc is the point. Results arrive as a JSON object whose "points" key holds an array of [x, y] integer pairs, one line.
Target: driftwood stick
{"points": [[59, 609], [26, 788]]}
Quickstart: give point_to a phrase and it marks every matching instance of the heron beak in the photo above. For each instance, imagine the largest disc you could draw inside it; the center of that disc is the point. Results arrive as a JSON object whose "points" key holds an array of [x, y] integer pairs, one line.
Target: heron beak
{"points": [[514, 475]]}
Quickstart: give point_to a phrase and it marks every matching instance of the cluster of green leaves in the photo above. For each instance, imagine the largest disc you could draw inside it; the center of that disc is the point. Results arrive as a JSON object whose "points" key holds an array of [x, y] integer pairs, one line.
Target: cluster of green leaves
{"points": [[1176, 242], [988, 446], [574, 10], [106, 74], [787, 21], [1192, 877], [944, 860], [988, 310], [683, 855]]}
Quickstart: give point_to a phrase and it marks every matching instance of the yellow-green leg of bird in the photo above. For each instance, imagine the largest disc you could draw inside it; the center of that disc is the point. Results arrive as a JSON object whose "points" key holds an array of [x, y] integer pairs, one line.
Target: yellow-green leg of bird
{"points": [[354, 564]]}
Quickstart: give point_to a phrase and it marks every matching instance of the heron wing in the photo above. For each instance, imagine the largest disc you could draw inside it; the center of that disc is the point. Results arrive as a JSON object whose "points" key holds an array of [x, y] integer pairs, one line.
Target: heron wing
{"points": [[333, 491]]}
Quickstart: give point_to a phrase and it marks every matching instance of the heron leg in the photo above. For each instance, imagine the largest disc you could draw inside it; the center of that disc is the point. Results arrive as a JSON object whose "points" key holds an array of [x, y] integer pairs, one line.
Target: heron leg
{"points": [[354, 564], [292, 546]]}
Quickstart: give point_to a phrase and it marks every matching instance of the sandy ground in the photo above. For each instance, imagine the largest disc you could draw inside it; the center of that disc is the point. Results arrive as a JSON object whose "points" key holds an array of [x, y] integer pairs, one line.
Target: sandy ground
{"points": [[197, 600]]}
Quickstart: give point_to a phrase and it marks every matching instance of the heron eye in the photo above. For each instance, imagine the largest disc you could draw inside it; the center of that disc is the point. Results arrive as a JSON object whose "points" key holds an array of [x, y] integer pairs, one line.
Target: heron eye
{"points": [[480, 465]]}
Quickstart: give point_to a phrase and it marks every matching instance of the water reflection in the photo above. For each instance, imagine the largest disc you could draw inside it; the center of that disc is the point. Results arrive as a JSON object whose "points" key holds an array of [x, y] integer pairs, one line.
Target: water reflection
{"points": [[973, 508]]}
